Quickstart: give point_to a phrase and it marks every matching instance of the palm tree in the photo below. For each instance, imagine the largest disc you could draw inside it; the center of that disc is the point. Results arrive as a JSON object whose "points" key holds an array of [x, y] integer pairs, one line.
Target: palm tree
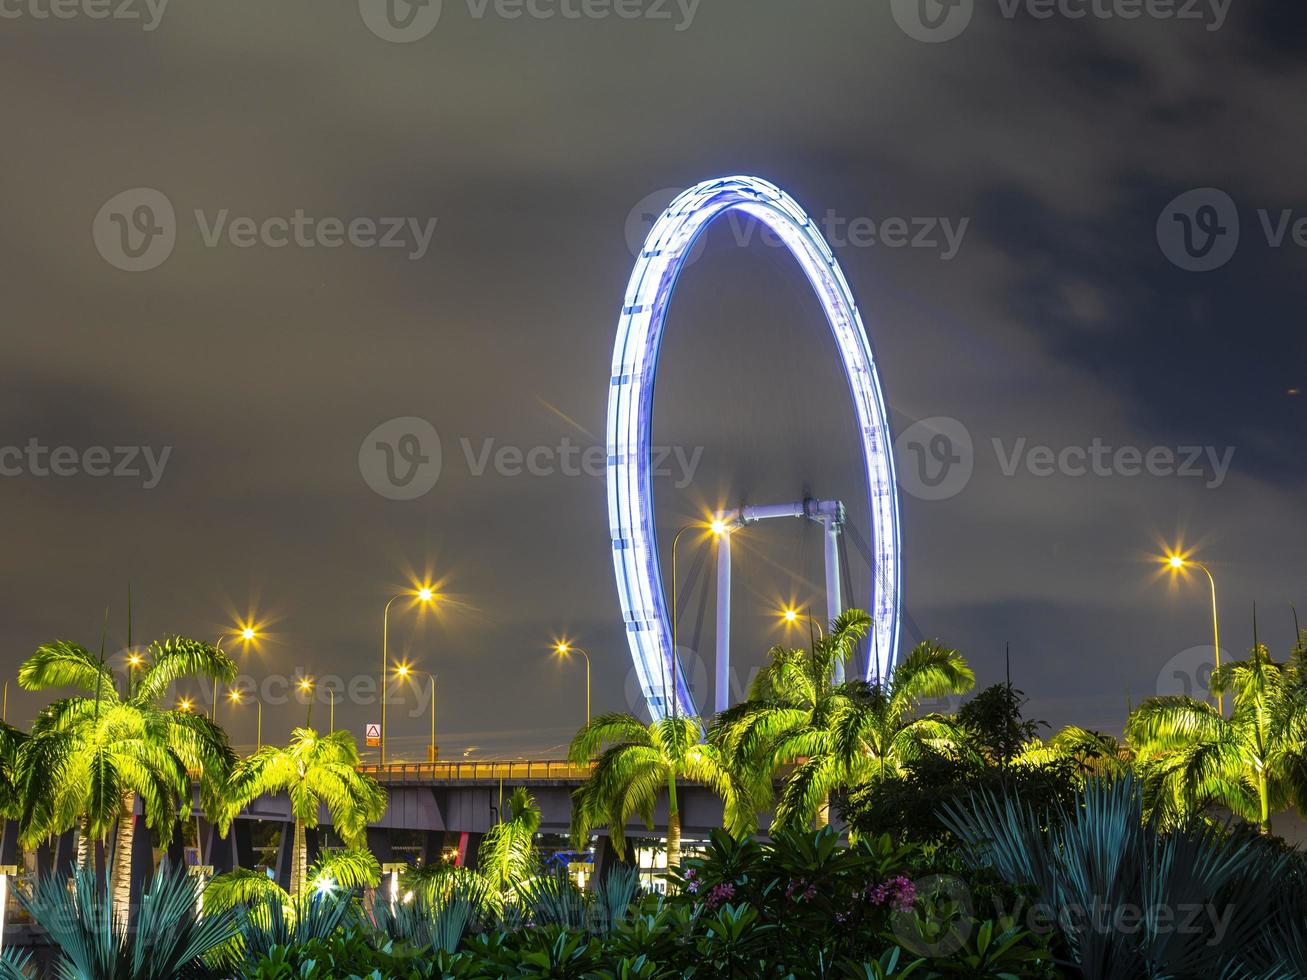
{"points": [[12, 741], [1253, 762], [1093, 752], [313, 770], [507, 858], [639, 761], [834, 736], [91, 756]]}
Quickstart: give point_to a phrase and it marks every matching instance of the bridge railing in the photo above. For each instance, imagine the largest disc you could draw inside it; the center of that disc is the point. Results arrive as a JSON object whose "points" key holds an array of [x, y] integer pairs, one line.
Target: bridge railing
{"points": [[424, 772]]}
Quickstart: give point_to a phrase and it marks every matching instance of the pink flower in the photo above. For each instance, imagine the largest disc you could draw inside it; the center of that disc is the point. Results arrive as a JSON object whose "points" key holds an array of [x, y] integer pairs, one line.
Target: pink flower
{"points": [[720, 893], [898, 891]]}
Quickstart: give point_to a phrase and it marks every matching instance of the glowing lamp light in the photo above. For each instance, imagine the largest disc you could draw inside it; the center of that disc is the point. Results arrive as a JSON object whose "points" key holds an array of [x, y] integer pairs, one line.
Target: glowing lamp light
{"points": [[234, 696], [425, 594], [402, 670], [718, 527], [306, 685], [631, 511], [324, 886], [184, 704], [248, 633], [135, 660], [1175, 561], [790, 615]]}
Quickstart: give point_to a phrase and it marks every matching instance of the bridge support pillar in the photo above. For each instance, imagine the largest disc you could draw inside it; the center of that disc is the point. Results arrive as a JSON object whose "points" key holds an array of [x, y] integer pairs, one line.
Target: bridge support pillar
{"points": [[285, 848], [606, 858], [142, 859], [217, 851], [9, 843], [433, 846], [379, 844], [469, 848], [240, 831], [60, 857]]}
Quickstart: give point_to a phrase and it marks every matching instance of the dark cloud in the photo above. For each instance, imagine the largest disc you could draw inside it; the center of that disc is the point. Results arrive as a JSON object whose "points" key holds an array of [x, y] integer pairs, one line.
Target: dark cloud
{"points": [[1059, 321]]}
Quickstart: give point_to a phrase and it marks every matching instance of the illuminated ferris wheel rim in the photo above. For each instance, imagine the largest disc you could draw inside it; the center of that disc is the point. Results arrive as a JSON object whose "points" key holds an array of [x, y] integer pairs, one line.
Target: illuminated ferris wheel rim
{"points": [[630, 418]]}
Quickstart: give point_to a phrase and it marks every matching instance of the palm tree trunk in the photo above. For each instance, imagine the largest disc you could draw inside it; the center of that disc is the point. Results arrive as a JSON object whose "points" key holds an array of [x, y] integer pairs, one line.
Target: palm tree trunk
{"points": [[673, 823], [299, 859], [1265, 823], [121, 863], [823, 813], [673, 839], [83, 843]]}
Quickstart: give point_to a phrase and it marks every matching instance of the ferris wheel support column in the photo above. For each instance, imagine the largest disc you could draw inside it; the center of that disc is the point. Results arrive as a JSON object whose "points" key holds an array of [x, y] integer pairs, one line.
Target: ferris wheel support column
{"points": [[834, 602], [722, 686]]}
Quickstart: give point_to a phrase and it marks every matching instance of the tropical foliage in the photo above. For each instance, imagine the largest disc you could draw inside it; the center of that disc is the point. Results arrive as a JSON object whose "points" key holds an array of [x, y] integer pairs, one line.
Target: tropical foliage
{"points": [[1254, 761], [92, 756], [1128, 900], [828, 737], [634, 762], [314, 770]]}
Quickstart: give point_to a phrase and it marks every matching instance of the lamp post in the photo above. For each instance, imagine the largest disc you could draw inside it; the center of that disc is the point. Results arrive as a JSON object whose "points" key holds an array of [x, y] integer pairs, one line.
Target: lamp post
{"points": [[564, 648], [717, 528], [403, 671], [235, 697], [1178, 563], [423, 595], [247, 634], [306, 688]]}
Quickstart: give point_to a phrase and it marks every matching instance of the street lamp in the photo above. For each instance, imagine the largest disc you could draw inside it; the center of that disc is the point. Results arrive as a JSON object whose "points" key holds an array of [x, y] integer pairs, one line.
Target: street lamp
{"points": [[235, 697], [425, 594], [1178, 563], [306, 688], [403, 672], [718, 528], [563, 648], [246, 634]]}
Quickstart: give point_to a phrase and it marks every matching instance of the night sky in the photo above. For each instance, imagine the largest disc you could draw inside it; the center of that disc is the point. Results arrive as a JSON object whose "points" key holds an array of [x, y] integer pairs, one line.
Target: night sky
{"points": [[1060, 316]]}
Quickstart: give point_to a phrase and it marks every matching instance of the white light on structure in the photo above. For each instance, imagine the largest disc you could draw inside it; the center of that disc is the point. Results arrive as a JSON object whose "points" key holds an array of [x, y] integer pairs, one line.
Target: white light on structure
{"points": [[630, 418], [324, 886], [393, 869], [6, 872]]}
